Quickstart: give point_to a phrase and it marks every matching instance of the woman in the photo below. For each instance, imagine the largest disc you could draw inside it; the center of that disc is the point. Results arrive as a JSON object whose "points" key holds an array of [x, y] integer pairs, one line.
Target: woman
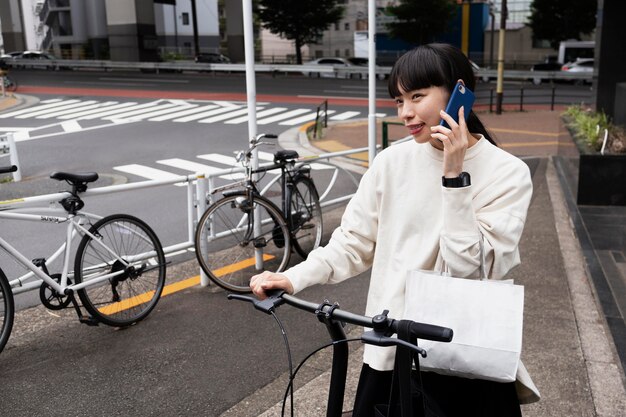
{"points": [[423, 204]]}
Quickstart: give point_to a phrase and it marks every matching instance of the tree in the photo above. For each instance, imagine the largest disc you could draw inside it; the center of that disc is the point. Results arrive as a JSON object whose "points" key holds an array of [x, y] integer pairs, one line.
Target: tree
{"points": [[559, 20], [420, 21], [302, 21]]}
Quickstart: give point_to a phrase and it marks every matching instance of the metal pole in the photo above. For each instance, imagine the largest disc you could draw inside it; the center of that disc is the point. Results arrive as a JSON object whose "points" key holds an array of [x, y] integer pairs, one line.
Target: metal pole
{"points": [[499, 88], [371, 131], [248, 38], [195, 27], [521, 99], [493, 29]]}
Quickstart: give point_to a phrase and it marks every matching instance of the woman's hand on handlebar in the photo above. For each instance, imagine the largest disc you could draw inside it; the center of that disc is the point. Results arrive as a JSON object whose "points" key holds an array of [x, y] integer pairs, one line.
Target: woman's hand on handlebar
{"points": [[269, 281]]}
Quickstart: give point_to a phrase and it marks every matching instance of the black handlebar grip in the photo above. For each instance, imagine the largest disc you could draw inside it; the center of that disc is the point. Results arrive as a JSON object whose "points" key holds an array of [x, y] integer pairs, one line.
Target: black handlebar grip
{"points": [[431, 332], [4, 170], [271, 136]]}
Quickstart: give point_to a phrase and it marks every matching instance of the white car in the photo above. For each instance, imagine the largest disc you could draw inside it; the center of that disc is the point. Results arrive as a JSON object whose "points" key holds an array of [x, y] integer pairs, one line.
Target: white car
{"points": [[340, 68], [580, 66]]}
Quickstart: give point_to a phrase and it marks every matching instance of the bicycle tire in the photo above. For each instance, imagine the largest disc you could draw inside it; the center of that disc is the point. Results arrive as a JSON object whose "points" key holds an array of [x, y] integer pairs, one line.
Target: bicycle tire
{"points": [[226, 250], [305, 219], [129, 297], [7, 310]]}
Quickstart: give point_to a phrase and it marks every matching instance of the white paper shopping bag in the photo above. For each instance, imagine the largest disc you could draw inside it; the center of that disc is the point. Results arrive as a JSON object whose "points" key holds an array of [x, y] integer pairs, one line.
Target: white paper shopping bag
{"points": [[485, 315]]}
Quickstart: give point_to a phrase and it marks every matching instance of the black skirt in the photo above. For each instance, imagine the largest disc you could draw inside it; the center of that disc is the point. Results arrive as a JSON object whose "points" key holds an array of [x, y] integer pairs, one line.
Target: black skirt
{"points": [[454, 396]]}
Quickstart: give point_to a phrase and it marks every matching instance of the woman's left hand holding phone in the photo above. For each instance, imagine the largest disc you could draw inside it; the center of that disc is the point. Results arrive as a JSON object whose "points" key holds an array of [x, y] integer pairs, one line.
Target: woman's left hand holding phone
{"points": [[455, 143]]}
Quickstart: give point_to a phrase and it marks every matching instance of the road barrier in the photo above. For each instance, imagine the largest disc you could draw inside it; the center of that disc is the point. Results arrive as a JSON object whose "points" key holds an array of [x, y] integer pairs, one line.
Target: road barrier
{"points": [[336, 71]]}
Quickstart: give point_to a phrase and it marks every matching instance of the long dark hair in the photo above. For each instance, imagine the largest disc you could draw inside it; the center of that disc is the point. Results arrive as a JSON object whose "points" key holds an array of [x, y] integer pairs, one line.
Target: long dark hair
{"points": [[435, 65]]}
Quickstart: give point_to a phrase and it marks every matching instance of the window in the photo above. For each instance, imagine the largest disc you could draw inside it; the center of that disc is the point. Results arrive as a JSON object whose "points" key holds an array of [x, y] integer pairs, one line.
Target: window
{"points": [[347, 53], [336, 26], [347, 26], [337, 52], [185, 17]]}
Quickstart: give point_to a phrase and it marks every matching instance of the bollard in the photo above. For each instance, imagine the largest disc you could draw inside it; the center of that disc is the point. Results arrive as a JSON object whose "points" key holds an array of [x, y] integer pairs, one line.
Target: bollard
{"points": [[521, 99], [201, 196], [552, 100], [491, 100]]}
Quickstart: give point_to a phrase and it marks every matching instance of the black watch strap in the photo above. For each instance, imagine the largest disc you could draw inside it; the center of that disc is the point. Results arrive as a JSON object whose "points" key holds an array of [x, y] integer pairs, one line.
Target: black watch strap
{"points": [[463, 180]]}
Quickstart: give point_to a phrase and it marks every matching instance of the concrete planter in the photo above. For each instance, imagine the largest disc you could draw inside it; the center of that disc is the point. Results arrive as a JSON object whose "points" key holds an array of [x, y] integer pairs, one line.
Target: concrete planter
{"points": [[602, 180]]}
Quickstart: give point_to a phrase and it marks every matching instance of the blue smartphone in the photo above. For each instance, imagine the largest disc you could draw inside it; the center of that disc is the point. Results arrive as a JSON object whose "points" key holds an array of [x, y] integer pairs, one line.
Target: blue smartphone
{"points": [[461, 97]]}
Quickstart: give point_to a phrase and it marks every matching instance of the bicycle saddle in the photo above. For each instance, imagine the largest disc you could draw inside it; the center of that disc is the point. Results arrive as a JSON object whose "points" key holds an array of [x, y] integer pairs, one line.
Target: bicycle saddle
{"points": [[80, 177], [284, 155]]}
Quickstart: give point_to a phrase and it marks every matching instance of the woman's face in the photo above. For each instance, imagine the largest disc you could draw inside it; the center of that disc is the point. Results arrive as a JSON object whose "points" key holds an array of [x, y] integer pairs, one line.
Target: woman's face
{"points": [[419, 110]]}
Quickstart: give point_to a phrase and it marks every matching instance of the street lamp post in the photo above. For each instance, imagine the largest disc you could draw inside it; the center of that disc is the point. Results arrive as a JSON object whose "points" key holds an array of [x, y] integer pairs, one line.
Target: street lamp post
{"points": [[500, 85]]}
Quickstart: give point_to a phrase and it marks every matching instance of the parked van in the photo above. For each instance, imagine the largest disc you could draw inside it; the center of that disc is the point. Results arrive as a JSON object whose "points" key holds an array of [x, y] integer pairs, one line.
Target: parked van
{"points": [[570, 51]]}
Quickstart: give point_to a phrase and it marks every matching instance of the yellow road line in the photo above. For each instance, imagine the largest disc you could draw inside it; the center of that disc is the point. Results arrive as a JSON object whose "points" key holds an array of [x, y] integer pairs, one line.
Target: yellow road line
{"points": [[524, 132], [177, 286]]}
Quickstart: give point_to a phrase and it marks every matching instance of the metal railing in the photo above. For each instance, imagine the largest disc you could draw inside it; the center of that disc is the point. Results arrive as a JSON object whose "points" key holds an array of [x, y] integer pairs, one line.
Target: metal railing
{"points": [[199, 191], [321, 119]]}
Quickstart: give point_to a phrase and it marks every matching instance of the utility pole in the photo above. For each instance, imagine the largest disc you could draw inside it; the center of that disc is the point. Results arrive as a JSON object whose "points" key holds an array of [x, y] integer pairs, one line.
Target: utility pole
{"points": [[499, 88], [194, 18]]}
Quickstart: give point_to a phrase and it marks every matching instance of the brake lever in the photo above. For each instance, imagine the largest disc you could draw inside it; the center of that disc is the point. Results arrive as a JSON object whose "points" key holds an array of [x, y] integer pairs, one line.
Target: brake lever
{"points": [[267, 306], [373, 337]]}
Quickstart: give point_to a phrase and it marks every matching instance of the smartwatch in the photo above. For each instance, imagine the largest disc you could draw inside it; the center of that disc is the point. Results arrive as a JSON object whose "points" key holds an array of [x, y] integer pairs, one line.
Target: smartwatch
{"points": [[463, 180]]}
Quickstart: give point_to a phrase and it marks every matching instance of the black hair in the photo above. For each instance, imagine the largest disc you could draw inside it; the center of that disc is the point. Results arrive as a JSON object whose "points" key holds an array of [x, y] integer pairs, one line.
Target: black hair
{"points": [[435, 65]]}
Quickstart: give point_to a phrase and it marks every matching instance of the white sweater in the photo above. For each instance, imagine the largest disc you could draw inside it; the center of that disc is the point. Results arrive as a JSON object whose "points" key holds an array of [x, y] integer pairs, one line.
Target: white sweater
{"points": [[402, 218]]}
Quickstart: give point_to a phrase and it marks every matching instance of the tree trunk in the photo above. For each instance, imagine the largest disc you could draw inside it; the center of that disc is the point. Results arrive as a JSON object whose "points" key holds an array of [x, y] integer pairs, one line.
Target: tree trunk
{"points": [[298, 52]]}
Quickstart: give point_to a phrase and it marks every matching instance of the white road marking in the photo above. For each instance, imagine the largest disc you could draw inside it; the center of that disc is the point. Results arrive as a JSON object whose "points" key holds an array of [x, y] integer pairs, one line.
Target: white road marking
{"points": [[170, 116], [73, 111], [100, 110], [283, 116], [204, 114], [302, 119], [198, 168], [226, 116], [345, 115], [35, 109], [264, 113]]}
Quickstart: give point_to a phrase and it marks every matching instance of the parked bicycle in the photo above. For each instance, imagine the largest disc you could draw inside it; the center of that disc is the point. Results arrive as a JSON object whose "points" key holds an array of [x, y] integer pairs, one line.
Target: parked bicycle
{"points": [[244, 232], [383, 328], [119, 265]]}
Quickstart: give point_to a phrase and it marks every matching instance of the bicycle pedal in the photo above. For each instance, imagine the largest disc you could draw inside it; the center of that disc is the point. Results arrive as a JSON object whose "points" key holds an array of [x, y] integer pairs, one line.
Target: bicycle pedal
{"points": [[89, 321]]}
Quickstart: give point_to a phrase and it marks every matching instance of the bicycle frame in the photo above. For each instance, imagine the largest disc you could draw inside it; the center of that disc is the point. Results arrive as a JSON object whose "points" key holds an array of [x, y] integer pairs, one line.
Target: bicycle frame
{"points": [[75, 226]]}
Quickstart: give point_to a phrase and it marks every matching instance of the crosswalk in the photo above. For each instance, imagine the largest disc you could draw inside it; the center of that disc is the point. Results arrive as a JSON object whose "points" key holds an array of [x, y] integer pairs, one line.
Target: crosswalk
{"points": [[216, 165], [176, 111]]}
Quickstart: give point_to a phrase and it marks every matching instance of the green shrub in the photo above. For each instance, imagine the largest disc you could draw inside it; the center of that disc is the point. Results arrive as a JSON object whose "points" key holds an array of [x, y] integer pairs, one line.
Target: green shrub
{"points": [[588, 126]]}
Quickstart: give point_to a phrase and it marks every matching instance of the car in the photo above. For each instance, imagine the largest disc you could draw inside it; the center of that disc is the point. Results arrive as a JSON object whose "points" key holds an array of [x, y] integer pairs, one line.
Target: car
{"points": [[364, 62], [341, 68], [212, 58], [11, 55], [581, 65], [26, 56], [549, 64], [477, 69]]}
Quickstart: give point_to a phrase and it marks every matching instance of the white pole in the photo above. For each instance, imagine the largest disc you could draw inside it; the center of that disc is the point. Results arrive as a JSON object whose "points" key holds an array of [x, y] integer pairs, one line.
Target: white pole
{"points": [[371, 131], [248, 39]]}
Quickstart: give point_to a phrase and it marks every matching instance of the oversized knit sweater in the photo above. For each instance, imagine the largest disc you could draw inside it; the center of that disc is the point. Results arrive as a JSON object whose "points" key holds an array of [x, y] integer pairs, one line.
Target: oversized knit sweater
{"points": [[402, 218]]}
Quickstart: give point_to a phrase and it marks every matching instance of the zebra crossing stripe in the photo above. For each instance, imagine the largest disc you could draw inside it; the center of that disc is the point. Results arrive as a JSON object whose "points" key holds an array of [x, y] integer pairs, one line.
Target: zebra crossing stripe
{"points": [[146, 172], [72, 111], [160, 112], [71, 126], [198, 168], [219, 158], [129, 115], [204, 114], [345, 115], [67, 106], [283, 116], [99, 110], [306, 118], [34, 109], [107, 112], [226, 116], [170, 116], [264, 113]]}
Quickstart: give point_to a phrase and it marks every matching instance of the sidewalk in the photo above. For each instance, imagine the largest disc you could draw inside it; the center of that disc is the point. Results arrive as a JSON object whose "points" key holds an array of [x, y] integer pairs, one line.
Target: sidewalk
{"points": [[574, 332], [570, 335]]}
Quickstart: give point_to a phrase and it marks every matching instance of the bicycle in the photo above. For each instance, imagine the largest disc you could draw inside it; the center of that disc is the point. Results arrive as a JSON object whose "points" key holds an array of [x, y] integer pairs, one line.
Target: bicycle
{"points": [[244, 232], [119, 264], [383, 328], [9, 83]]}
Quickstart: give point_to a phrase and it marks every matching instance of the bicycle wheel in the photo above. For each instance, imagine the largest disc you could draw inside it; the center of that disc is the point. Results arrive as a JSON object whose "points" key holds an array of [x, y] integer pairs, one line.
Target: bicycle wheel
{"points": [[228, 243], [127, 248], [7, 310], [305, 220]]}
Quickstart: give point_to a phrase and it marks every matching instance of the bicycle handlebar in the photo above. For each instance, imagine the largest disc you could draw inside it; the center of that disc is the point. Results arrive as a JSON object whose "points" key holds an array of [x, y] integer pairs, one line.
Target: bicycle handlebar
{"points": [[383, 326], [4, 170]]}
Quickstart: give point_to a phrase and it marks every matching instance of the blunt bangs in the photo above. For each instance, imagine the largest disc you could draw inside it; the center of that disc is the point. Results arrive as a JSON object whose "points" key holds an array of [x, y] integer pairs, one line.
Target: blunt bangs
{"points": [[417, 69]]}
